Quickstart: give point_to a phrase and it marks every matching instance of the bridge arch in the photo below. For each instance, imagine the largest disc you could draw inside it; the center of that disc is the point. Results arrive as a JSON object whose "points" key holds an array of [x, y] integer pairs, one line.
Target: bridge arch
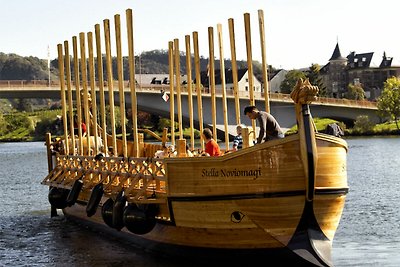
{"points": [[149, 99]]}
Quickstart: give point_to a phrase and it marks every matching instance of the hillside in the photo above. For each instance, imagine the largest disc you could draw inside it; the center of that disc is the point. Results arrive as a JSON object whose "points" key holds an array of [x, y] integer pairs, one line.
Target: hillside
{"points": [[15, 67]]}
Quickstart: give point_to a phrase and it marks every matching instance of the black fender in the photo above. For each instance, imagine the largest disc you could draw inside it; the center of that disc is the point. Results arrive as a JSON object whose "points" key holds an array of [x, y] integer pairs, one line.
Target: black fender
{"points": [[58, 197], [107, 212], [139, 220], [94, 200], [118, 211], [74, 193]]}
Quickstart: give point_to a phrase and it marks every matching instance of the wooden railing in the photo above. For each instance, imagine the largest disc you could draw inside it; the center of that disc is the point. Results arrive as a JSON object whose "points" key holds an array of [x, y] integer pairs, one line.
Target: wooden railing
{"points": [[142, 179]]}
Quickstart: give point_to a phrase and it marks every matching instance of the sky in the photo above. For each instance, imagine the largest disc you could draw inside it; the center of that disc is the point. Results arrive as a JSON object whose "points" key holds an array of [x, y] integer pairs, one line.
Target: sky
{"points": [[297, 33]]}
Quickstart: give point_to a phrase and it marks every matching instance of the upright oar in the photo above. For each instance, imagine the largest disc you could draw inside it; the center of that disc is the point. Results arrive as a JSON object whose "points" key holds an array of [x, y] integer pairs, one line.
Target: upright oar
{"points": [[211, 74], [132, 81], [234, 69], [177, 59], [249, 63], [100, 77], [85, 89], [117, 21], [198, 85], [77, 95], [222, 72], [70, 98], [171, 90], [181, 147], [93, 102], [63, 102], [264, 60], [110, 82], [189, 88]]}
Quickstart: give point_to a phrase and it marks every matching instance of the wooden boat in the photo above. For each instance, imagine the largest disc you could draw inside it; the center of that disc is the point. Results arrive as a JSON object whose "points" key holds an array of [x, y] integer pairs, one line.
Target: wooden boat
{"points": [[282, 197]]}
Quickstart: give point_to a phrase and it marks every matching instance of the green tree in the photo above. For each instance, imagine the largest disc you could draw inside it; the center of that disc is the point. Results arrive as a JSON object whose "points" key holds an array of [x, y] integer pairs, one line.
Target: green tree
{"points": [[316, 79], [355, 92], [14, 67], [16, 121], [389, 101], [290, 80], [363, 124]]}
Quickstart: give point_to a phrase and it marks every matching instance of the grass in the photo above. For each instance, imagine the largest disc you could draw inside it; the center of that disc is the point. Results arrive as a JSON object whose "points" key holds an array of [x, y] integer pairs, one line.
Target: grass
{"points": [[20, 134], [320, 124], [25, 133]]}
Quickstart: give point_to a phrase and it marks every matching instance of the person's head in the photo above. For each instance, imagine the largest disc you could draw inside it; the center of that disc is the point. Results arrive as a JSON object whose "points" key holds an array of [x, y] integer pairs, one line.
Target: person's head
{"points": [[239, 128], [207, 133], [251, 112]]}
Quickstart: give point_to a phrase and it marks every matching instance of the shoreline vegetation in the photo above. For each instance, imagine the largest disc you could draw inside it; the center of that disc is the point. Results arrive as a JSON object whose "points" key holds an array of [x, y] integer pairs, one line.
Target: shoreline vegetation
{"points": [[32, 126]]}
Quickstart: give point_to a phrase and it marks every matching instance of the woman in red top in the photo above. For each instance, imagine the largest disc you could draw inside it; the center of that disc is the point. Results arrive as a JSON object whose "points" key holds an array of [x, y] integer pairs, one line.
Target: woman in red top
{"points": [[212, 147], [83, 126]]}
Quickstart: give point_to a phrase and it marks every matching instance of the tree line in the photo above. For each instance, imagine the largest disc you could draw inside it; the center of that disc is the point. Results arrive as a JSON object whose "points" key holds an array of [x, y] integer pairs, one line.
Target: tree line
{"points": [[15, 67]]}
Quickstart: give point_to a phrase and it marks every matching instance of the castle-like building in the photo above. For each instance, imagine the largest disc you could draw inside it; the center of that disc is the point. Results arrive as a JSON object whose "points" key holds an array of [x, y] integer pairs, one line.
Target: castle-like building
{"points": [[356, 69]]}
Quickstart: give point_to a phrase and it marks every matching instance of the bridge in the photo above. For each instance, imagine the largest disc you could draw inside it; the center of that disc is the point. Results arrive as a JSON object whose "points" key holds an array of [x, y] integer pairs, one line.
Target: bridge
{"points": [[149, 100]]}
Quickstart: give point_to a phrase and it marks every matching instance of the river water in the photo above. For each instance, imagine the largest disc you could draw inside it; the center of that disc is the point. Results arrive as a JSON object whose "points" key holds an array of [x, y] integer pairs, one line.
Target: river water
{"points": [[368, 234]]}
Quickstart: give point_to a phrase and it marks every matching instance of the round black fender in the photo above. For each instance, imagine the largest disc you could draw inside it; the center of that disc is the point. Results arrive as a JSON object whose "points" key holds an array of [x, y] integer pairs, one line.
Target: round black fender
{"points": [[94, 200], [137, 220], [151, 210], [107, 212], [74, 193], [58, 197], [118, 211]]}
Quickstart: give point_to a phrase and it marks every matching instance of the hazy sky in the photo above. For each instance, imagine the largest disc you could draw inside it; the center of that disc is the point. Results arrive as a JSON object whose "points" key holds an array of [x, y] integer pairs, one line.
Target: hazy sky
{"points": [[298, 33]]}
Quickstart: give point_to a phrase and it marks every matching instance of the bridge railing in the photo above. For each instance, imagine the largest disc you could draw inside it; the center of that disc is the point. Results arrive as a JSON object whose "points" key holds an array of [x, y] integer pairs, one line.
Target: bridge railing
{"points": [[159, 88], [27, 83]]}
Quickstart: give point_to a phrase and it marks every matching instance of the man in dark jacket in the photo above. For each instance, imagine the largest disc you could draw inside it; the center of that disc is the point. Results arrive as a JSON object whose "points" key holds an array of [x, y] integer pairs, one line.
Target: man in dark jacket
{"points": [[269, 127]]}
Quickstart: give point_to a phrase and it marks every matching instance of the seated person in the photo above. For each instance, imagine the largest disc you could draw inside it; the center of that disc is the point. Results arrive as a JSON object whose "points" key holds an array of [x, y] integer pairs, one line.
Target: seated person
{"points": [[238, 140], [188, 152], [212, 147], [83, 126], [171, 151]]}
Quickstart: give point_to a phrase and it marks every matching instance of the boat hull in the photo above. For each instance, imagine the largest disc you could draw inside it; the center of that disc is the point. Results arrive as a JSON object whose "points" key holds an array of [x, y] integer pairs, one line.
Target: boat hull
{"points": [[251, 202], [183, 254]]}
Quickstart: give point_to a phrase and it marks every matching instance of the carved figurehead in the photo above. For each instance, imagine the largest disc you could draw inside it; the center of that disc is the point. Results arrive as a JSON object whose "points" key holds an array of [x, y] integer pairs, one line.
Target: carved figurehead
{"points": [[304, 92]]}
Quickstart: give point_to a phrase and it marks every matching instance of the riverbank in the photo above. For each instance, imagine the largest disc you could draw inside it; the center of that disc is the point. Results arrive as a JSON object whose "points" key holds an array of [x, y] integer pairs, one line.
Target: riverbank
{"points": [[32, 126]]}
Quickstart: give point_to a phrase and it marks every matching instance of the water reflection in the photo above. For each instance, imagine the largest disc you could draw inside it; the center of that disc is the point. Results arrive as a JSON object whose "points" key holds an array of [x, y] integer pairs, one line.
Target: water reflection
{"points": [[368, 233]]}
